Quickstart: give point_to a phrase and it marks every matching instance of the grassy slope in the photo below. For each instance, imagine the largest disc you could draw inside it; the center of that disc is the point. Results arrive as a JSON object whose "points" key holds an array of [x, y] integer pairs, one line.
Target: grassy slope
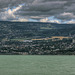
{"points": [[37, 65]]}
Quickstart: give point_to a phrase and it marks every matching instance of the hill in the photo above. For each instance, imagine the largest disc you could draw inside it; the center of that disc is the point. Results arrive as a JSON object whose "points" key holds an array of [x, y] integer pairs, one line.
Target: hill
{"points": [[12, 30], [35, 38]]}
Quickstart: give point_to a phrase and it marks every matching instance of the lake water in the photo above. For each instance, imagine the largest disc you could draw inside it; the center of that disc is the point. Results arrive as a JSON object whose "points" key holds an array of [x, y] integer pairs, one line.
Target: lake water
{"points": [[37, 65]]}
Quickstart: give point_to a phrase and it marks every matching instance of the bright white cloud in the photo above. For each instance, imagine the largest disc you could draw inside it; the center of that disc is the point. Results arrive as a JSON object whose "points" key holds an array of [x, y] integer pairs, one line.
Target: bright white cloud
{"points": [[54, 21], [44, 20], [50, 19], [20, 20], [66, 13], [71, 22], [8, 14]]}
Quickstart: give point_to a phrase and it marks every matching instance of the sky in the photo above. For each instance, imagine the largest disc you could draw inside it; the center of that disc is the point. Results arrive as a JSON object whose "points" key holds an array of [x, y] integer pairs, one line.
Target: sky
{"points": [[53, 11]]}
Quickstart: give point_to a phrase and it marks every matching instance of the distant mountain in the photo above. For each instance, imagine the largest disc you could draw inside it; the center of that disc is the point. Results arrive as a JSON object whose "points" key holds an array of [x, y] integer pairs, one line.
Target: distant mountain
{"points": [[12, 30]]}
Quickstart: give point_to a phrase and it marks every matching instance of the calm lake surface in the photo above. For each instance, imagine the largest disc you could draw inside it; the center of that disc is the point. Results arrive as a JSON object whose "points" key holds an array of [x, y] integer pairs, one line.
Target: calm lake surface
{"points": [[37, 65]]}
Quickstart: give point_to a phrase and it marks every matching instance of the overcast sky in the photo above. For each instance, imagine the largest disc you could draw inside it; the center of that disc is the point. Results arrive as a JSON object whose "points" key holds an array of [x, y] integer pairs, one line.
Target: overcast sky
{"points": [[58, 11]]}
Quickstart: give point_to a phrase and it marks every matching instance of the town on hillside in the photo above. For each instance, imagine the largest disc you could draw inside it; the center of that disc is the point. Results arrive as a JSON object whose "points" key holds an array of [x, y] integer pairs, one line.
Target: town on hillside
{"points": [[28, 38]]}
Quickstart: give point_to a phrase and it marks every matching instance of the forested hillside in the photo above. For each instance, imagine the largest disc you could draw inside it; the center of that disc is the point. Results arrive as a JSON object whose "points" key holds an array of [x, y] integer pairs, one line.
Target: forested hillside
{"points": [[13, 30]]}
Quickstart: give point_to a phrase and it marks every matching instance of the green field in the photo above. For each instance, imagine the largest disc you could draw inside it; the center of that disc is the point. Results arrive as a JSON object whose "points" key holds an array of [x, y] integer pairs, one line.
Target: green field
{"points": [[37, 65]]}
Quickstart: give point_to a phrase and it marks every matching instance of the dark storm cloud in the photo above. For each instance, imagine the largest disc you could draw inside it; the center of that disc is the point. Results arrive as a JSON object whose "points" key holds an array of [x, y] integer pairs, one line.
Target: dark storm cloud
{"points": [[61, 9], [41, 7]]}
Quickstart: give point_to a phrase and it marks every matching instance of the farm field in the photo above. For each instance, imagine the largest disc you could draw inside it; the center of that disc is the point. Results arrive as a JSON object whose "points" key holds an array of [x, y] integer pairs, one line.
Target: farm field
{"points": [[37, 65]]}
